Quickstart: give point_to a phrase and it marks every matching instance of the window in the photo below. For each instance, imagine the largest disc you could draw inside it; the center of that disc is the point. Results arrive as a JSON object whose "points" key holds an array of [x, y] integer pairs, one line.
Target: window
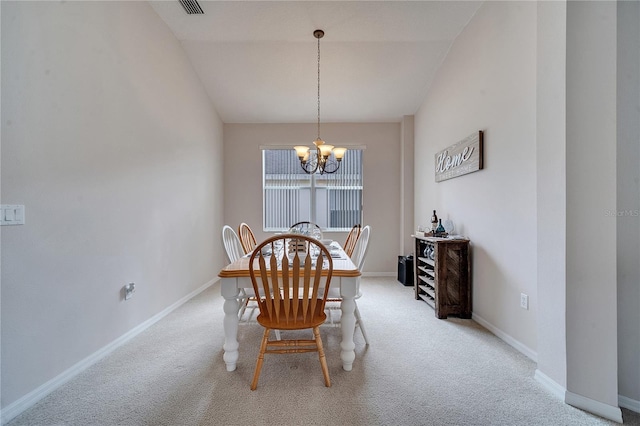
{"points": [[333, 201]]}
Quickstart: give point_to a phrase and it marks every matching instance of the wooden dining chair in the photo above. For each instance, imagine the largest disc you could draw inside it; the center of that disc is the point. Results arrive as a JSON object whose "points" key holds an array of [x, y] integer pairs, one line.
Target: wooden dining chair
{"points": [[358, 258], [352, 239], [247, 239], [306, 228], [295, 285]]}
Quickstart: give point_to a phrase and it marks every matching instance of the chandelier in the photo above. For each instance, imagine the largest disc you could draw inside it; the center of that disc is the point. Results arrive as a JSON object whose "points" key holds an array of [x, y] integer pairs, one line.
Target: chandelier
{"points": [[318, 158]]}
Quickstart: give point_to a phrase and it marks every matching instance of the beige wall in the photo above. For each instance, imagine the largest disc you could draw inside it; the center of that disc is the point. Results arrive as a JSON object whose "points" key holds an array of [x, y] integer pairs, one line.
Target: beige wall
{"points": [[591, 313], [561, 153], [122, 183], [487, 82], [110, 142], [628, 224], [551, 190], [381, 194]]}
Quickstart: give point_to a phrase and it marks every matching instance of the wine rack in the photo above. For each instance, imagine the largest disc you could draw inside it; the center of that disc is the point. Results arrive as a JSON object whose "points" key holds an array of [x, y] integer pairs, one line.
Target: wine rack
{"points": [[443, 275]]}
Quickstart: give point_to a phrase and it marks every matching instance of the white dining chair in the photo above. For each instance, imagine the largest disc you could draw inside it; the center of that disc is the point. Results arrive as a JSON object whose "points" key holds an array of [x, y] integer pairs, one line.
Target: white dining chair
{"points": [[232, 244], [234, 251], [362, 247], [358, 258]]}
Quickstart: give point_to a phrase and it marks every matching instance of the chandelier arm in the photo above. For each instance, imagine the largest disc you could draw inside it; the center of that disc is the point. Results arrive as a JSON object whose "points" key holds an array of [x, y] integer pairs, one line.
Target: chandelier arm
{"points": [[330, 166], [312, 164], [309, 168]]}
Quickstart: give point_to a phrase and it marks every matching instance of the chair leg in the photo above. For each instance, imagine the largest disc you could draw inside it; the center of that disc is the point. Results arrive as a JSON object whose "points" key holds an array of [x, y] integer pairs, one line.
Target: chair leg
{"points": [[245, 302], [263, 348], [360, 325], [323, 360]]}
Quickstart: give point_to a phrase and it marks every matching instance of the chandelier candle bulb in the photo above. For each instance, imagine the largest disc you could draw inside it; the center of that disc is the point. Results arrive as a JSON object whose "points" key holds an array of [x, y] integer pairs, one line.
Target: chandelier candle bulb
{"points": [[339, 153], [302, 151], [326, 150]]}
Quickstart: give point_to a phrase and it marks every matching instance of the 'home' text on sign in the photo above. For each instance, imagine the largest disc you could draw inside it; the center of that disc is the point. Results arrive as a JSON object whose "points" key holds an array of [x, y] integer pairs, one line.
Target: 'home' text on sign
{"points": [[460, 158]]}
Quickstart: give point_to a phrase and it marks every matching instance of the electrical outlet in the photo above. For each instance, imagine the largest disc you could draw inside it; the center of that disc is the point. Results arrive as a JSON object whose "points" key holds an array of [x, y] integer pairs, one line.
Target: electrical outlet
{"points": [[524, 301], [128, 290]]}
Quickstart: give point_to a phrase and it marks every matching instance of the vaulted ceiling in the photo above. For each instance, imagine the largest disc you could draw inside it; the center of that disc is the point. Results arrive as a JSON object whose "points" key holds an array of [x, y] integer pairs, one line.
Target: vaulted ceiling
{"points": [[258, 59]]}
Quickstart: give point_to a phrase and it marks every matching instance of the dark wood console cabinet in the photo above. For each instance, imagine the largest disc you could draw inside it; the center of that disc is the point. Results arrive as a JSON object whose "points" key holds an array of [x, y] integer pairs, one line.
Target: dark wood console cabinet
{"points": [[443, 275]]}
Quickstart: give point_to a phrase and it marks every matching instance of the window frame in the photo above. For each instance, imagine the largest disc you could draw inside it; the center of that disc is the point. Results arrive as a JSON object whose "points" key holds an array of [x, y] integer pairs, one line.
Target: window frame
{"points": [[313, 187]]}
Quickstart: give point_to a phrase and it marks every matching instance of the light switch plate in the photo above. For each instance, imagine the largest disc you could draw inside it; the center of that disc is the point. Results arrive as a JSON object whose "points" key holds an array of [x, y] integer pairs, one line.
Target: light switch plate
{"points": [[11, 214]]}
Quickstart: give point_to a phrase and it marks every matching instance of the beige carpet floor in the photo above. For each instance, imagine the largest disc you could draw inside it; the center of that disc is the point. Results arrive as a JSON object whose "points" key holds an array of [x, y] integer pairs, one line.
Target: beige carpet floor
{"points": [[418, 370]]}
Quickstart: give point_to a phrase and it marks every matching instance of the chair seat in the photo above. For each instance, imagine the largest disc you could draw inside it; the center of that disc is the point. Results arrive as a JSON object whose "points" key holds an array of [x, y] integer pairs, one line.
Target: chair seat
{"points": [[317, 318]]}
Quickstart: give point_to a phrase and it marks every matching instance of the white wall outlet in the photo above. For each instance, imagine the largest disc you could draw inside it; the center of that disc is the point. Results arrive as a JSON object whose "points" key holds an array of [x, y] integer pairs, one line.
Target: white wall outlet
{"points": [[524, 301], [128, 290]]}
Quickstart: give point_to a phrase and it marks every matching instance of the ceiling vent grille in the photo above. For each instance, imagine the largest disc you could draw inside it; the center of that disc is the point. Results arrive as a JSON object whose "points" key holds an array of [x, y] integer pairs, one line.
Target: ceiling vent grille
{"points": [[191, 7]]}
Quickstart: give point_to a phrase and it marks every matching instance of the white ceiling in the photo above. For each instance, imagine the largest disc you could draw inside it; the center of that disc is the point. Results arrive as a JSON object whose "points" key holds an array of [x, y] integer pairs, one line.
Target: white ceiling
{"points": [[258, 59]]}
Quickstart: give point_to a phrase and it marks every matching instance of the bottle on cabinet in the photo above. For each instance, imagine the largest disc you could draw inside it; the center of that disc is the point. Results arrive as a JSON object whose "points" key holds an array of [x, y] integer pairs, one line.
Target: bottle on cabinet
{"points": [[434, 222], [440, 231]]}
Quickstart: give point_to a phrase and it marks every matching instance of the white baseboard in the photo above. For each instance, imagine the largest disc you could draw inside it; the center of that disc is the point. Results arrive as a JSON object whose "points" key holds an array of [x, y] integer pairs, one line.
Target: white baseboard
{"points": [[525, 350], [596, 407], [378, 274], [550, 384], [628, 403], [559, 391], [16, 408]]}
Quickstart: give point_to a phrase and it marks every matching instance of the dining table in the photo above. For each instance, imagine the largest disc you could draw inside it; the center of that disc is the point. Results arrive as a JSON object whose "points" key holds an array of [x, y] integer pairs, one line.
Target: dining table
{"points": [[235, 277]]}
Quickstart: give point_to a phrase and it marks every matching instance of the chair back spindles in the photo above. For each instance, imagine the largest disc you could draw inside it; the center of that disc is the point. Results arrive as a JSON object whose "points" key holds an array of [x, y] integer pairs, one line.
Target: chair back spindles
{"points": [[361, 248], [232, 244], [291, 285], [352, 239], [247, 238], [306, 228]]}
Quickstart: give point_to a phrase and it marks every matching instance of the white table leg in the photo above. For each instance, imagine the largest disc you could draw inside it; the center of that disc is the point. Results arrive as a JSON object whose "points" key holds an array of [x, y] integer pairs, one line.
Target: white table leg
{"points": [[348, 290], [230, 292]]}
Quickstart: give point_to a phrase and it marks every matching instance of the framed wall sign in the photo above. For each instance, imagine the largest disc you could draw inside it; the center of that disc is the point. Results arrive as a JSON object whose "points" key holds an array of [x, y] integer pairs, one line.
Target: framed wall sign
{"points": [[460, 158]]}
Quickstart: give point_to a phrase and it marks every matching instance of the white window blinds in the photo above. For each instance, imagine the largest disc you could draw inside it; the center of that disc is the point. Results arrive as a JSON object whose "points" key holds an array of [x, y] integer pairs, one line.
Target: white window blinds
{"points": [[333, 201]]}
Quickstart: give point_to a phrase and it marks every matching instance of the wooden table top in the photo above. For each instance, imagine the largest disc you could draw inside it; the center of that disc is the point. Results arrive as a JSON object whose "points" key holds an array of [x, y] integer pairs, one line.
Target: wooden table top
{"points": [[342, 267]]}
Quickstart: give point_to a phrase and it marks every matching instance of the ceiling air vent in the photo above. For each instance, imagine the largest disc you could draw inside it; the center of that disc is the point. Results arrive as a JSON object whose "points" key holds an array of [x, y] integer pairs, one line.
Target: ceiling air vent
{"points": [[191, 7]]}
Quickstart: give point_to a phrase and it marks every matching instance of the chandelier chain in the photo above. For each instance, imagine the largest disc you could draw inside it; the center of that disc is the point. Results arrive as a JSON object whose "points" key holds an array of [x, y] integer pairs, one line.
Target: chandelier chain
{"points": [[318, 88], [322, 158]]}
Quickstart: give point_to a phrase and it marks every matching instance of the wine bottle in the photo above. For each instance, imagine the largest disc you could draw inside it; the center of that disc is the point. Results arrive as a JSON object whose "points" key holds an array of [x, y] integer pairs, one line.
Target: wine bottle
{"points": [[434, 221]]}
